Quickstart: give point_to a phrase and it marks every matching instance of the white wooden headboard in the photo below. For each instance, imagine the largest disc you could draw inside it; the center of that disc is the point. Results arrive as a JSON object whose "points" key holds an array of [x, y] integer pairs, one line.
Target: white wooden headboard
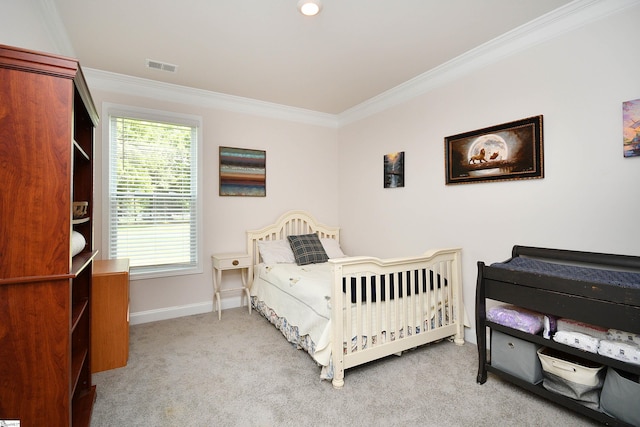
{"points": [[289, 224]]}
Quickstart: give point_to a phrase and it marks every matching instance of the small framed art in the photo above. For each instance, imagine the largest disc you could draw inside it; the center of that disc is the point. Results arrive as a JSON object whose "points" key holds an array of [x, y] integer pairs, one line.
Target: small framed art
{"points": [[243, 172], [394, 170], [631, 128], [509, 151]]}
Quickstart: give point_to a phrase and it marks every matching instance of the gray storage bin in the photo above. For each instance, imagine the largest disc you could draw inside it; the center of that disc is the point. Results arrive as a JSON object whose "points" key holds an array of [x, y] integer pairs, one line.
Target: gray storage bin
{"points": [[620, 397], [585, 394], [516, 357]]}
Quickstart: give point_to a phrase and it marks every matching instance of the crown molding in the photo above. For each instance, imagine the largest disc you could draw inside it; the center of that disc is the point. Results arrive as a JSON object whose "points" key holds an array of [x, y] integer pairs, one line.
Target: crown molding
{"points": [[556, 23], [136, 86]]}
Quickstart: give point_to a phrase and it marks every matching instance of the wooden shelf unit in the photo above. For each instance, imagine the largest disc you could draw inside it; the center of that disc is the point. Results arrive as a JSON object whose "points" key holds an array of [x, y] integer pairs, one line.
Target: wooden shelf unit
{"points": [[592, 302], [47, 127]]}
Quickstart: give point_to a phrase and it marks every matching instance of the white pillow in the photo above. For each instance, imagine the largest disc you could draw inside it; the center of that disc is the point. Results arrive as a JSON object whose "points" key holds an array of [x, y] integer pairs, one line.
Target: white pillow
{"points": [[276, 251], [332, 248]]}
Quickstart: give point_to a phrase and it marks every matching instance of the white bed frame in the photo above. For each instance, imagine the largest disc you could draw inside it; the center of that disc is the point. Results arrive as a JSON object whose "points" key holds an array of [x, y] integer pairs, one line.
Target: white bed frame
{"points": [[448, 317]]}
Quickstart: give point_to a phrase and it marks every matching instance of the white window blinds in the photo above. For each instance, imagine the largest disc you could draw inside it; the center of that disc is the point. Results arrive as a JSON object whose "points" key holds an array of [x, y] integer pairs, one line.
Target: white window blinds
{"points": [[153, 195]]}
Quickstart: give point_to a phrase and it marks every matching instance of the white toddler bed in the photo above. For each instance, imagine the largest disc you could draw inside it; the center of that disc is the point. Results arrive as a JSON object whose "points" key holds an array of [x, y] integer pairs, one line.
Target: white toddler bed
{"points": [[352, 310]]}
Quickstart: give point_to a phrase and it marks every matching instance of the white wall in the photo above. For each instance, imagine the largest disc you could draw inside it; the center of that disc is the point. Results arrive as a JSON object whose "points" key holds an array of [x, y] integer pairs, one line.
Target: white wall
{"points": [[301, 174], [588, 199]]}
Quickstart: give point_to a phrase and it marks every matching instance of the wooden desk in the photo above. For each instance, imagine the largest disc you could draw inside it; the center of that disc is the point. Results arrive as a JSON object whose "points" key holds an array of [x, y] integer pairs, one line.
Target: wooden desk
{"points": [[110, 314]]}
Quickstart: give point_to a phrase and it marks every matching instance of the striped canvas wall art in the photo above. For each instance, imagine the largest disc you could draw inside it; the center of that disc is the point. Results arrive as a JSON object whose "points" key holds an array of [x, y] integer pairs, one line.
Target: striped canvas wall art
{"points": [[243, 172]]}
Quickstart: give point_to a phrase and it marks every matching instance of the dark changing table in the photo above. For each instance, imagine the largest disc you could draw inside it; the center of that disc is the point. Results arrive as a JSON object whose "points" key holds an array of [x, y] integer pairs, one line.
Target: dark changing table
{"points": [[595, 288]]}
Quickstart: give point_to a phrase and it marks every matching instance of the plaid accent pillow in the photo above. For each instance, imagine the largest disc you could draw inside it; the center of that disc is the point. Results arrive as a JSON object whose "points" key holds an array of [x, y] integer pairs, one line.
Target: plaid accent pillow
{"points": [[307, 249]]}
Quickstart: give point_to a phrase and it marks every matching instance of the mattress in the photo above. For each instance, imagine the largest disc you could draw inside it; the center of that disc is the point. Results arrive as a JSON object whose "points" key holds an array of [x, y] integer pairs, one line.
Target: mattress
{"points": [[624, 279]]}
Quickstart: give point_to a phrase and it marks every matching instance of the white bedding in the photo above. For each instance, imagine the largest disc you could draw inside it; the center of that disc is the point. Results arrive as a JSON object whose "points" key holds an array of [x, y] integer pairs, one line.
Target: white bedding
{"points": [[302, 295]]}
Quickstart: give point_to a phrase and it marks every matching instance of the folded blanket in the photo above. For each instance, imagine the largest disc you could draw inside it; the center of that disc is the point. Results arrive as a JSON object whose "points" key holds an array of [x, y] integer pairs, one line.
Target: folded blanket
{"points": [[516, 318], [578, 340], [625, 351]]}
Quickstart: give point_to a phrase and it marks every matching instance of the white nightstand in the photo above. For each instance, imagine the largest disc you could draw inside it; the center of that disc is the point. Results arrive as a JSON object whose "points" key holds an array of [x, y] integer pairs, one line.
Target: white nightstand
{"points": [[232, 261]]}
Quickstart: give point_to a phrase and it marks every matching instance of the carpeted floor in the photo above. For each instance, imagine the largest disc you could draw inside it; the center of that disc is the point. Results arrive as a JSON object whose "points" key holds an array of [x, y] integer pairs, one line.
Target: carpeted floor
{"points": [[240, 371]]}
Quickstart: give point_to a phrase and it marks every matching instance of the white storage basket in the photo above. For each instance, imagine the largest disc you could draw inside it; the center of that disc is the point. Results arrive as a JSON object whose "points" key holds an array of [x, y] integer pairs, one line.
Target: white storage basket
{"points": [[570, 368]]}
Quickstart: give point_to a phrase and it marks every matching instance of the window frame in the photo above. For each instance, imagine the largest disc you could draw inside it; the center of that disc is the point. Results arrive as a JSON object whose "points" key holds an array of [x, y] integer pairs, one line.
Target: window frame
{"points": [[109, 109]]}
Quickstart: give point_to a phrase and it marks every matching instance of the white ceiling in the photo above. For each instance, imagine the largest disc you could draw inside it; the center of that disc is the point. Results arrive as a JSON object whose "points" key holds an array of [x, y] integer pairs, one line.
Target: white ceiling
{"points": [[266, 50]]}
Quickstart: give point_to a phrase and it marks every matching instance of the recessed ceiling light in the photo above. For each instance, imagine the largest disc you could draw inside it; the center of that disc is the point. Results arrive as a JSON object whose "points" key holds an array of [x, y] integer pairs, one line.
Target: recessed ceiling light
{"points": [[309, 7]]}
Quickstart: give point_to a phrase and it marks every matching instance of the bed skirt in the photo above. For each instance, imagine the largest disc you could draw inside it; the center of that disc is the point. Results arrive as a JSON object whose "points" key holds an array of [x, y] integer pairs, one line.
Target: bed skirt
{"points": [[304, 342]]}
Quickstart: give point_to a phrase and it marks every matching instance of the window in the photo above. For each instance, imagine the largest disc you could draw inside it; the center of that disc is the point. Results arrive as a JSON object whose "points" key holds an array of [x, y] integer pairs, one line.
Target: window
{"points": [[153, 202]]}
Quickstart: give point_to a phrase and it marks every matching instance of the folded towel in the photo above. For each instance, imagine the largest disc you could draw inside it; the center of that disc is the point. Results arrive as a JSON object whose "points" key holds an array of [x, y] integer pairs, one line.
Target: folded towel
{"points": [[77, 243]]}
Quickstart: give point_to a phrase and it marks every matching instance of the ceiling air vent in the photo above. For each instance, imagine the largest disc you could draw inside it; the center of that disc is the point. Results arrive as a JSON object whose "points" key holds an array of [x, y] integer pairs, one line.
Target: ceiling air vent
{"points": [[162, 66]]}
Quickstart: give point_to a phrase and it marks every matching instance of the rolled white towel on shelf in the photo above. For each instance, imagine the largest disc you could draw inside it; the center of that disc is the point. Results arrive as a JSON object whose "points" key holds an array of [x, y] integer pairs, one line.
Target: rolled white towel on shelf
{"points": [[77, 243]]}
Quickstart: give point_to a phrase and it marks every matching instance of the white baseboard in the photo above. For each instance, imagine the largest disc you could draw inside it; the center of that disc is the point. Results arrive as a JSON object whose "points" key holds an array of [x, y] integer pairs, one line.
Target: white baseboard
{"points": [[179, 311]]}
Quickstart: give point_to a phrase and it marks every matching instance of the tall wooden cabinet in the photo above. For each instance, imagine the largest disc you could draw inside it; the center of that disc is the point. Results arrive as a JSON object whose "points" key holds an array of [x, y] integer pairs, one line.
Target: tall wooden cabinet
{"points": [[47, 121]]}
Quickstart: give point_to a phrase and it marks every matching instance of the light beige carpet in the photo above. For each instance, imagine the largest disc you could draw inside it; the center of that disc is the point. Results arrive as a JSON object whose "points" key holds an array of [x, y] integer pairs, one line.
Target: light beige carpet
{"points": [[240, 371]]}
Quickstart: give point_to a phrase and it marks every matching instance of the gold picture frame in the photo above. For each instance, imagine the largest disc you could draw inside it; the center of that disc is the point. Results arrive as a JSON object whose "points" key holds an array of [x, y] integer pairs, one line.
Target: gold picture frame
{"points": [[505, 152]]}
